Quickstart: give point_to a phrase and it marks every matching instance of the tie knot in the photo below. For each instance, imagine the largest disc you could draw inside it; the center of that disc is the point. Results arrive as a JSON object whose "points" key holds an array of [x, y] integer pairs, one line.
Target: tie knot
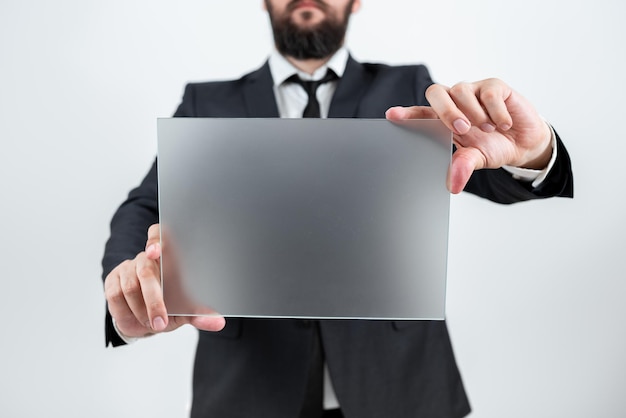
{"points": [[312, 109], [310, 86]]}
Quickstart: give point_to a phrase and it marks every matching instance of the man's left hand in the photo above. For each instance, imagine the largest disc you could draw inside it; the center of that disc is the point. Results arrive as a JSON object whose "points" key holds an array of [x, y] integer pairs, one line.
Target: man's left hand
{"points": [[492, 126]]}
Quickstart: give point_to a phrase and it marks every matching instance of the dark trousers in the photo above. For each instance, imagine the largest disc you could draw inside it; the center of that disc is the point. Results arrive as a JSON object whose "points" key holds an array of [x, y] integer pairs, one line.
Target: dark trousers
{"points": [[313, 406]]}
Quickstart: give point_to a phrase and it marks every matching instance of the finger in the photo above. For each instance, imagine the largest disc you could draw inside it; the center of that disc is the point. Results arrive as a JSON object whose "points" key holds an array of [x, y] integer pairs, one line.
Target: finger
{"points": [[493, 95], [446, 109], [153, 243], [119, 309], [398, 113], [131, 288], [149, 277], [464, 162], [208, 323], [465, 97], [205, 319]]}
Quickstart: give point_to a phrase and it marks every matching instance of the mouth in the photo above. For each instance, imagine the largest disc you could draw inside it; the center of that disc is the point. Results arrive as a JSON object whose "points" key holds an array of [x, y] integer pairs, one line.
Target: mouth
{"points": [[306, 4]]}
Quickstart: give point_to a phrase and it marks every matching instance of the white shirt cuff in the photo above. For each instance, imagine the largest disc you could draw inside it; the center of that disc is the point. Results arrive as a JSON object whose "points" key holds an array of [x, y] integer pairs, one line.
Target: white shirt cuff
{"points": [[125, 338]]}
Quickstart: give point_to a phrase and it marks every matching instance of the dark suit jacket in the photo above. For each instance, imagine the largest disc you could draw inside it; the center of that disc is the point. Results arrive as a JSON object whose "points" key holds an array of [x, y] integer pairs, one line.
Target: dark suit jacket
{"points": [[379, 369]]}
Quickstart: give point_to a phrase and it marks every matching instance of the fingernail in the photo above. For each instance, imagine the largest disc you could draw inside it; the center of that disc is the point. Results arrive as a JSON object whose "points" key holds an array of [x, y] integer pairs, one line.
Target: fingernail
{"points": [[487, 127], [396, 111], [158, 324], [154, 248], [505, 127], [461, 126]]}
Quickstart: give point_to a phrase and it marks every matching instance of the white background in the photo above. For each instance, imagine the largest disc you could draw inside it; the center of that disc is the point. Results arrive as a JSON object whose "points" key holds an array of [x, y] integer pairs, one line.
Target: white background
{"points": [[535, 298]]}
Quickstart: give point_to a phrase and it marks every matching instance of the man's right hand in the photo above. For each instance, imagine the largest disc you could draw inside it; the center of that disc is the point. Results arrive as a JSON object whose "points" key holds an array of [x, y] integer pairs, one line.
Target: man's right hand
{"points": [[135, 297]]}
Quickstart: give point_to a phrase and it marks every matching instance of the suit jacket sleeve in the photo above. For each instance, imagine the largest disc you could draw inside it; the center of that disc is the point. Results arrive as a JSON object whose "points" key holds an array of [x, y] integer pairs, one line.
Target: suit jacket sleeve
{"points": [[129, 226], [499, 186]]}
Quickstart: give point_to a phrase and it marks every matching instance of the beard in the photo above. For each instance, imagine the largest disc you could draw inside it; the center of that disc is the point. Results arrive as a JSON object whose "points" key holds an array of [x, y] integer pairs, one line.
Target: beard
{"points": [[319, 41]]}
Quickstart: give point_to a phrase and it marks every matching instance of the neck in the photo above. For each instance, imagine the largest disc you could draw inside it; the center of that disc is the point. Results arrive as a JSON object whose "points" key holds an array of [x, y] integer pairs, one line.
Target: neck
{"points": [[308, 65]]}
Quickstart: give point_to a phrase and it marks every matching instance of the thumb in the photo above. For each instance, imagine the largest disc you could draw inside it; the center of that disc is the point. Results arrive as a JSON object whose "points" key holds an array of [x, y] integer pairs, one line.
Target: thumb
{"points": [[153, 244], [464, 162], [153, 251]]}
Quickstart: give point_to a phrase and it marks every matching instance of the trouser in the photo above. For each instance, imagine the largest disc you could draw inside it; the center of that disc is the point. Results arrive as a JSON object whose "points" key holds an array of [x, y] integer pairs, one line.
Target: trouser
{"points": [[313, 406]]}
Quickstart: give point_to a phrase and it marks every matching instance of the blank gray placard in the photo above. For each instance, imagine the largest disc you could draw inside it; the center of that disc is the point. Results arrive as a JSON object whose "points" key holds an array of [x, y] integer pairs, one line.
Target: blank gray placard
{"points": [[304, 218]]}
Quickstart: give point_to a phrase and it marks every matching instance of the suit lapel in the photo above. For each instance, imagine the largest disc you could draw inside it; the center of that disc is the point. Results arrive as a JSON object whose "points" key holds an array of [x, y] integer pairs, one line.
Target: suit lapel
{"points": [[258, 93], [351, 88]]}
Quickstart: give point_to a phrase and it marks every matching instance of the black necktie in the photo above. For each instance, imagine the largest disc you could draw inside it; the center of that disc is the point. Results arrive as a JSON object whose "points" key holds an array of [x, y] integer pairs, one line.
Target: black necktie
{"points": [[312, 109], [314, 393]]}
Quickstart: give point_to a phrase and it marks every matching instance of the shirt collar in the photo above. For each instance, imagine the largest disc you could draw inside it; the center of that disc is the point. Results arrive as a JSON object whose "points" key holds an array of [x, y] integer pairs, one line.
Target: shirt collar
{"points": [[282, 69]]}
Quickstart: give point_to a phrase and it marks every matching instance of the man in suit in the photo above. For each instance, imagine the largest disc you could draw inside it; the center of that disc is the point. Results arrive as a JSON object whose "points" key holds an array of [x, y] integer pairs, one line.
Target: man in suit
{"points": [[274, 368]]}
